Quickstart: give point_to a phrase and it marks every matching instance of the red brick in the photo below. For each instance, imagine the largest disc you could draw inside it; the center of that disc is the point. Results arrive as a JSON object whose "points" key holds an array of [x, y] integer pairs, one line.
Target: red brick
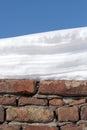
{"points": [[64, 88], [40, 128], [9, 127], [56, 102], [67, 113], [74, 127], [1, 114], [17, 86], [7, 100], [31, 114], [78, 102], [84, 113], [32, 101]]}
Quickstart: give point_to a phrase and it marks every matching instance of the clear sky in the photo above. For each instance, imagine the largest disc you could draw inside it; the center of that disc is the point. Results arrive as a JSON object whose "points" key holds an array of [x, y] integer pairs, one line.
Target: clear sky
{"points": [[20, 17]]}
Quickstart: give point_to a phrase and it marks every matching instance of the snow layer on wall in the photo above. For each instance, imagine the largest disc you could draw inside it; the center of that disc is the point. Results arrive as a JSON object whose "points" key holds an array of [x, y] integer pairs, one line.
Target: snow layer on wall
{"points": [[52, 55]]}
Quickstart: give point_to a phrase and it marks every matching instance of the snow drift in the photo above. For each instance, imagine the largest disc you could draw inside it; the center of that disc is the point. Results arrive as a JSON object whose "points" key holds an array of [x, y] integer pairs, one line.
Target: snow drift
{"points": [[52, 55]]}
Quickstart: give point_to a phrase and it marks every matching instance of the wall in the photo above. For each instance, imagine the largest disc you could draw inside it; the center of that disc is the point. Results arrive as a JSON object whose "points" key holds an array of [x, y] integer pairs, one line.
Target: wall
{"points": [[44, 105]]}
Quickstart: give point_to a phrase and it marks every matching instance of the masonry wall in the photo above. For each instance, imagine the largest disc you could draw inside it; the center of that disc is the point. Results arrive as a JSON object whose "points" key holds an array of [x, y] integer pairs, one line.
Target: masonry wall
{"points": [[44, 105]]}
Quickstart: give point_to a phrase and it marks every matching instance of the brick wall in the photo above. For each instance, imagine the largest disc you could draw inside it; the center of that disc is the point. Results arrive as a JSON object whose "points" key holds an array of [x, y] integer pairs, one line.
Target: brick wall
{"points": [[44, 105]]}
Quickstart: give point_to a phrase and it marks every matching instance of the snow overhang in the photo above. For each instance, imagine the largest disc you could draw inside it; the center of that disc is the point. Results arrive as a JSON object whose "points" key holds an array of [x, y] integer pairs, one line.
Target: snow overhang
{"points": [[58, 55]]}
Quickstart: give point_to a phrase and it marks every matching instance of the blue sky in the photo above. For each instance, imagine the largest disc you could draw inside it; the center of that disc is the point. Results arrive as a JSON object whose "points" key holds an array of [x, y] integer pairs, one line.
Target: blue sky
{"points": [[20, 17]]}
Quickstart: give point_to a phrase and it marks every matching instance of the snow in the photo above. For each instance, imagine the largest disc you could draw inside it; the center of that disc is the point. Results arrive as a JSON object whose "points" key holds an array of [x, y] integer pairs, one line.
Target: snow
{"points": [[57, 55]]}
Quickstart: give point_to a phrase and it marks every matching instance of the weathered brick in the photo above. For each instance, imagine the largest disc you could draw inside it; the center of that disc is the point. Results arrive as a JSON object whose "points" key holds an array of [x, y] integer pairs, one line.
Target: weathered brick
{"points": [[40, 128], [5, 100], [17, 86], [78, 102], [31, 114], [84, 113], [1, 114], [72, 102], [74, 127], [64, 88], [67, 113], [9, 127], [32, 101], [56, 102]]}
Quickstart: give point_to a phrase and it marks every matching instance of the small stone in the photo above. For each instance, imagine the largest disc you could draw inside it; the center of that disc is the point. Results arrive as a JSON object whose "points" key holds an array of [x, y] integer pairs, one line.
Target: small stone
{"points": [[5, 100], [32, 101], [1, 114], [84, 113], [56, 102], [78, 102]]}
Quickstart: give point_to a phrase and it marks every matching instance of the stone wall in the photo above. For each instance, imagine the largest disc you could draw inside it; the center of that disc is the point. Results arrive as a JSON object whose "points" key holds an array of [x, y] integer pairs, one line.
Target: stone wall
{"points": [[44, 105]]}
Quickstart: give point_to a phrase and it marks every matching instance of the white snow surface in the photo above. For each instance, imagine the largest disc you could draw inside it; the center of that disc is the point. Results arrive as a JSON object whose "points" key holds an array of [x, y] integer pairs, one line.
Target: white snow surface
{"points": [[56, 55]]}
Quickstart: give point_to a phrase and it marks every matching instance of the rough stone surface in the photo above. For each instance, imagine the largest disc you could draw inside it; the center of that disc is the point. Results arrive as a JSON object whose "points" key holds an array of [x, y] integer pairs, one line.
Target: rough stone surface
{"points": [[64, 88], [17, 86], [40, 128], [32, 101], [29, 114], [67, 113]]}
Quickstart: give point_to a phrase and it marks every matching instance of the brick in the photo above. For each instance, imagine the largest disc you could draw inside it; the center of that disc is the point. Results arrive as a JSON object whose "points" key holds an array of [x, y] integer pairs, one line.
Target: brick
{"points": [[31, 114], [78, 102], [84, 113], [74, 127], [32, 101], [5, 100], [72, 102], [40, 128], [67, 113], [56, 102], [17, 86], [9, 127], [63, 88], [1, 114]]}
